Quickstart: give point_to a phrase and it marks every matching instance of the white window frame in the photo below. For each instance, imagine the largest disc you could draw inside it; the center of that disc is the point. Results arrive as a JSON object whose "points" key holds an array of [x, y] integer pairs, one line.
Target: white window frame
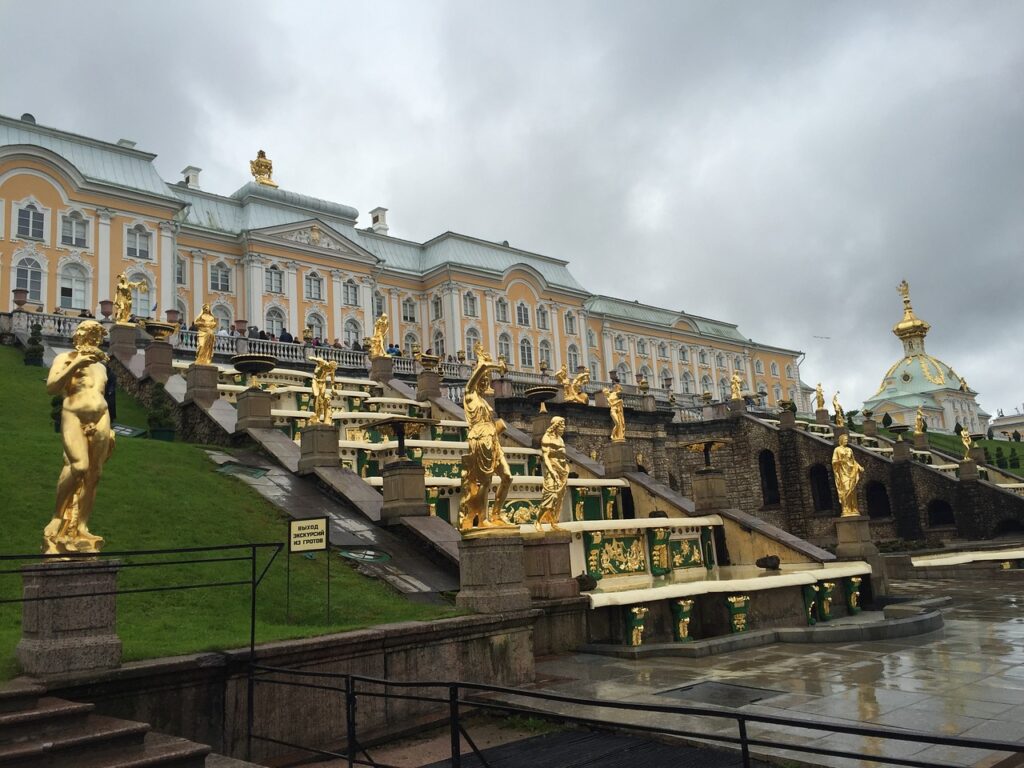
{"points": [[350, 293], [543, 318], [37, 210], [505, 347], [438, 347], [142, 299], [436, 308], [40, 268], [273, 279], [220, 268], [620, 343], [353, 331], [313, 286], [75, 217], [223, 314], [274, 320], [569, 320], [138, 230], [408, 342], [525, 353], [470, 305], [523, 314], [572, 358], [409, 310], [86, 284], [641, 347], [501, 311], [473, 337], [180, 270], [544, 353], [379, 304], [320, 320]]}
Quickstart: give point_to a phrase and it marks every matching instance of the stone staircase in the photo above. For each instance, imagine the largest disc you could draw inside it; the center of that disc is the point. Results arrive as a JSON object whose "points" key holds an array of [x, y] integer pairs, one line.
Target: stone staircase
{"points": [[40, 731]]}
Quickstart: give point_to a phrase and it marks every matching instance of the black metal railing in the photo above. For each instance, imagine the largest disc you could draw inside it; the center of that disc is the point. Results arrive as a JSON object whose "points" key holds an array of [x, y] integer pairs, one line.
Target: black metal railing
{"points": [[456, 697]]}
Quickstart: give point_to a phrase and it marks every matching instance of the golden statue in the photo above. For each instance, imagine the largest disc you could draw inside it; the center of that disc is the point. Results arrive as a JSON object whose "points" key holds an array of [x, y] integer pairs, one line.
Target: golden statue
{"points": [[573, 388], [840, 415], [616, 405], [80, 377], [965, 438], [123, 298], [819, 395], [556, 473], [323, 386], [736, 387], [262, 169], [380, 333], [206, 329], [485, 458], [847, 473], [919, 421]]}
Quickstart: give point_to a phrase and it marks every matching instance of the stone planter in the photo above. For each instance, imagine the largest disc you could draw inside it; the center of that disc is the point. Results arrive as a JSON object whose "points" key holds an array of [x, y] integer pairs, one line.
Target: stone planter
{"points": [[242, 326], [20, 297], [173, 316], [106, 308]]}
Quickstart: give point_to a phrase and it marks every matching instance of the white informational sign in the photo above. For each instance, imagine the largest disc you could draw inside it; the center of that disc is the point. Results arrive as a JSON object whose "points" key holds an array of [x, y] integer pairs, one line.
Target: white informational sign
{"points": [[307, 535]]}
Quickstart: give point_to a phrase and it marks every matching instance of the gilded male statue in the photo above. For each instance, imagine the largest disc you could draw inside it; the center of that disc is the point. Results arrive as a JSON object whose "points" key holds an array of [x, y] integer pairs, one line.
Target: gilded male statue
{"points": [[80, 376], [380, 333], [323, 386], [840, 415], [556, 473], [847, 473], [485, 457], [736, 387], [123, 298], [206, 330], [573, 387], [617, 407], [965, 438], [919, 421]]}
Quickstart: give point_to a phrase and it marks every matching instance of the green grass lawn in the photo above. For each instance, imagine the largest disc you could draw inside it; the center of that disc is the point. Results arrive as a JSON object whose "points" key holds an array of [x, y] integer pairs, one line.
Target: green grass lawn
{"points": [[157, 495], [950, 444]]}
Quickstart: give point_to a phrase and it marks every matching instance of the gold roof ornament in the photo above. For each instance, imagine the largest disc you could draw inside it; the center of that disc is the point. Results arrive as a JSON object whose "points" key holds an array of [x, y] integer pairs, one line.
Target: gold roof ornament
{"points": [[911, 326], [262, 168]]}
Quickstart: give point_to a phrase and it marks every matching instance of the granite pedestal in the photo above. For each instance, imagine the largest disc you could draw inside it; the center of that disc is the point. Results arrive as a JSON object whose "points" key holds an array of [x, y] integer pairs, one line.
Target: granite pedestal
{"points": [[736, 406], [491, 574], [709, 491], [547, 567], [318, 447], [648, 404], [821, 416], [870, 428], [787, 420], [122, 341], [428, 385], [159, 361], [618, 459], [201, 385], [382, 369], [968, 470], [901, 451], [404, 491], [253, 408], [62, 633], [921, 442], [853, 542]]}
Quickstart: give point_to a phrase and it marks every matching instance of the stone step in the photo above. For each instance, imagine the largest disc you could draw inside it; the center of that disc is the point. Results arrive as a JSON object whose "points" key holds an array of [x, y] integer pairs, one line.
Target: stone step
{"points": [[18, 695], [157, 751], [48, 716], [93, 736]]}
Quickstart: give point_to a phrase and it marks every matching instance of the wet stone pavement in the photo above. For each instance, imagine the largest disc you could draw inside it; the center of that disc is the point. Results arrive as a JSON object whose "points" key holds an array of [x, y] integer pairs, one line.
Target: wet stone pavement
{"points": [[964, 680]]}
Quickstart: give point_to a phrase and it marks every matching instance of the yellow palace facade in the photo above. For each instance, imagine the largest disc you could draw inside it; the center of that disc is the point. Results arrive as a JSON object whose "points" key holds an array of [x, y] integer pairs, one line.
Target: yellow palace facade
{"points": [[75, 212]]}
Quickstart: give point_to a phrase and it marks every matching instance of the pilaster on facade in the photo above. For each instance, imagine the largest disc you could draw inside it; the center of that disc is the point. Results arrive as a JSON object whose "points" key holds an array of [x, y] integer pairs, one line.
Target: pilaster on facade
{"points": [[366, 285], [490, 325], [450, 292], [336, 303], [395, 316], [104, 286], [609, 360], [198, 292], [291, 291], [252, 268], [168, 251]]}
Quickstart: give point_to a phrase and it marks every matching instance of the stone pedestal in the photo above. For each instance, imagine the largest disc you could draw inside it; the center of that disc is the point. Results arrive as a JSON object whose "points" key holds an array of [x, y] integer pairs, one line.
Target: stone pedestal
{"points": [[709, 492], [159, 361], [968, 470], [648, 404], [821, 416], [318, 446], [901, 451], [428, 385], [547, 567], [838, 432], [502, 387], [382, 369], [491, 575], [736, 406], [853, 542], [870, 428], [122, 341], [538, 426], [600, 399], [253, 407], [978, 454], [921, 442], [405, 493], [61, 633], [787, 420], [618, 459], [201, 385]]}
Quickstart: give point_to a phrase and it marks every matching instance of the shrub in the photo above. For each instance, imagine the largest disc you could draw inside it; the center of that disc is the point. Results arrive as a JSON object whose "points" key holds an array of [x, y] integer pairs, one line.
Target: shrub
{"points": [[886, 421]]}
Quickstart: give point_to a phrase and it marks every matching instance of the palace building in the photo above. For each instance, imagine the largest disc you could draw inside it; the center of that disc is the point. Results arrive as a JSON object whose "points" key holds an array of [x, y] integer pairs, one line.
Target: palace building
{"points": [[75, 212]]}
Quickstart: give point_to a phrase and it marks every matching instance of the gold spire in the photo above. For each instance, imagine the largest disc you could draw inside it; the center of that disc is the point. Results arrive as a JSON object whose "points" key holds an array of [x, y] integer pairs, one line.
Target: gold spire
{"points": [[911, 330], [262, 169]]}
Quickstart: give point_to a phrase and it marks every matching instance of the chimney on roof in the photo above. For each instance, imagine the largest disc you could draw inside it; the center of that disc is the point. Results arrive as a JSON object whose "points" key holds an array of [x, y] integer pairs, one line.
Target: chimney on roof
{"points": [[126, 143], [379, 220], [191, 174]]}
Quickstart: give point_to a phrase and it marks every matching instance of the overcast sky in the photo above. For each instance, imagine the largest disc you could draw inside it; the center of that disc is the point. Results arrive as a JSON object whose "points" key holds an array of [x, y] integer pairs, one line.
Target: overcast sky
{"points": [[774, 164]]}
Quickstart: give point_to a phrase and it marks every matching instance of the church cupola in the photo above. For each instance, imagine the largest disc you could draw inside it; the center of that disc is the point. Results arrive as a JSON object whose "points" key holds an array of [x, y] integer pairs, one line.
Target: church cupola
{"points": [[911, 330]]}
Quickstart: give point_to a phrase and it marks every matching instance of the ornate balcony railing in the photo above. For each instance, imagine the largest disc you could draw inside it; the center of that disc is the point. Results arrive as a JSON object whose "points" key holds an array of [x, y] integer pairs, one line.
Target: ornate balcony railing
{"points": [[59, 326]]}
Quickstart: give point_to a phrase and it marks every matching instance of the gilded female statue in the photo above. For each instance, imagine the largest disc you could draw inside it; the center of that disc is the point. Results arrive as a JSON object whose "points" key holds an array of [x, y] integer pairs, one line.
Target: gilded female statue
{"points": [[485, 457], [965, 438], [616, 405], [380, 332], [819, 396], [123, 298], [736, 387], [556, 473], [840, 415], [81, 377], [206, 329], [919, 421], [847, 473], [323, 386]]}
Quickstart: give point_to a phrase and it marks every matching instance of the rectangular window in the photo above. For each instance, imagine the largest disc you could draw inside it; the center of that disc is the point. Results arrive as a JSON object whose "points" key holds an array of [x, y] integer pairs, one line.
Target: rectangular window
{"points": [[220, 279], [138, 243], [523, 315], [314, 288], [30, 222], [72, 231], [409, 311], [436, 308], [273, 280], [570, 324], [180, 271], [350, 294]]}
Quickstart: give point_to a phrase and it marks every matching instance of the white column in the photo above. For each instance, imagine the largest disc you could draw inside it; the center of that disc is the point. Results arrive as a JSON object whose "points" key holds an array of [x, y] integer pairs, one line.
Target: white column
{"points": [[168, 252], [366, 295], [581, 326], [452, 321], [104, 288], [609, 362], [336, 303], [491, 326], [555, 318], [423, 307], [748, 366], [198, 288], [252, 266], [395, 316], [293, 300]]}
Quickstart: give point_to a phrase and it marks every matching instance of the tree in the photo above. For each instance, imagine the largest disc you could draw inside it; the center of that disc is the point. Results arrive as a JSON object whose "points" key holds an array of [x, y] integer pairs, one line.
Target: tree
{"points": [[1000, 458], [1014, 459], [1016, 436], [958, 429], [886, 420], [990, 434]]}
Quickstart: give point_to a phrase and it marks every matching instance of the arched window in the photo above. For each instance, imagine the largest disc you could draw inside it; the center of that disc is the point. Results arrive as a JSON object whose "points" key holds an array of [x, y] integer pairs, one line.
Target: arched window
{"points": [[570, 323], [30, 222], [315, 323], [720, 360], [525, 354], [777, 391], [769, 479], [439, 344], [408, 311], [737, 363], [182, 308], [353, 332], [940, 514], [758, 367], [687, 383], [472, 339], [684, 354], [274, 321], [220, 277], [591, 338], [74, 283], [666, 378], [542, 318], [273, 279], [646, 373], [625, 373], [878, 500], [789, 371], [544, 353], [522, 314], [180, 271], [572, 358], [350, 293], [641, 347], [595, 370], [408, 342], [620, 343], [29, 275], [775, 368], [662, 350], [470, 305], [314, 287], [74, 230], [436, 308], [707, 386], [505, 347], [501, 310], [378, 304], [223, 315], [723, 389], [142, 297], [137, 242], [702, 357], [821, 489]]}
